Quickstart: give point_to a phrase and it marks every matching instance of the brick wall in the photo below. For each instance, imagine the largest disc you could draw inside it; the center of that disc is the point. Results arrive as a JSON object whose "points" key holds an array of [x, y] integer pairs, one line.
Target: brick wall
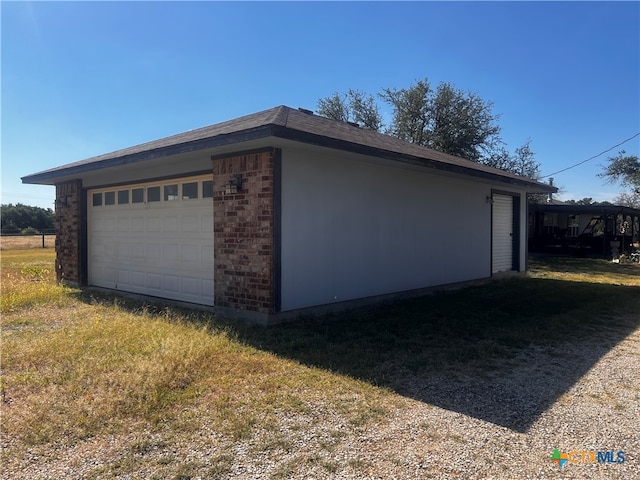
{"points": [[245, 276], [69, 233]]}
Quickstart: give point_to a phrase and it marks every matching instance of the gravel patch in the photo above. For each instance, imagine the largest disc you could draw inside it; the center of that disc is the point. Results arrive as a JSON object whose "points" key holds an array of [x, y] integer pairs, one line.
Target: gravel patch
{"points": [[578, 397]]}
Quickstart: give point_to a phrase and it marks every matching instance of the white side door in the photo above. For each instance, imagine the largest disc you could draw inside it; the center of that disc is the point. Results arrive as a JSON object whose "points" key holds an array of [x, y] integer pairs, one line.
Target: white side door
{"points": [[502, 233]]}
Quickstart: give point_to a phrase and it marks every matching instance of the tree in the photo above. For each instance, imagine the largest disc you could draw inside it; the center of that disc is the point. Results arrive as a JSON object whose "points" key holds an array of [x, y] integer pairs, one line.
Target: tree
{"points": [[463, 124], [624, 169], [500, 158], [365, 111], [631, 200], [354, 106], [446, 119], [521, 162], [18, 217], [411, 112], [525, 163], [335, 107]]}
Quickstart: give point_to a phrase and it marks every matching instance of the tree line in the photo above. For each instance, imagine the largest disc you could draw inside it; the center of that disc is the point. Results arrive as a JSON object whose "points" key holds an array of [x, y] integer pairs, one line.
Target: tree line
{"points": [[21, 218]]}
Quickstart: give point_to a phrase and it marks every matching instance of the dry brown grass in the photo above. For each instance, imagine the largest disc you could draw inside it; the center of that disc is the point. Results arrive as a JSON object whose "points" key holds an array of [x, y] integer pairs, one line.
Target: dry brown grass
{"points": [[76, 369], [26, 242], [27, 279]]}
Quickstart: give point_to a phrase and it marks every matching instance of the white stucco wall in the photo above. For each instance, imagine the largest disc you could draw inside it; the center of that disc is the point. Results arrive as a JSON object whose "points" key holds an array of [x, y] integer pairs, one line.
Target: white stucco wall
{"points": [[353, 228]]}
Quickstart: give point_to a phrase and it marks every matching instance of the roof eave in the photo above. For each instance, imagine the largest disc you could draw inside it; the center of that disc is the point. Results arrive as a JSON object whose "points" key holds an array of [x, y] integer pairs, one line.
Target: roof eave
{"points": [[48, 177], [314, 139]]}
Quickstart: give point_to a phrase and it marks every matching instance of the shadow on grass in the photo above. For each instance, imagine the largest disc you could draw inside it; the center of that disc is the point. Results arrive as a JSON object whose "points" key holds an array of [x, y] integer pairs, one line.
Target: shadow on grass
{"points": [[502, 352]]}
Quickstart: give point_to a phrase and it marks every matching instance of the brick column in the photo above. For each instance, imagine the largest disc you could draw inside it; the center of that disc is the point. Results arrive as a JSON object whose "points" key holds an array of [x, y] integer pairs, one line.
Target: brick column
{"points": [[245, 273], [69, 233]]}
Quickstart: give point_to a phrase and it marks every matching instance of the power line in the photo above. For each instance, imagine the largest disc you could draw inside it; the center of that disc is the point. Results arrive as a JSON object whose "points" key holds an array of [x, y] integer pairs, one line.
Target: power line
{"points": [[591, 158]]}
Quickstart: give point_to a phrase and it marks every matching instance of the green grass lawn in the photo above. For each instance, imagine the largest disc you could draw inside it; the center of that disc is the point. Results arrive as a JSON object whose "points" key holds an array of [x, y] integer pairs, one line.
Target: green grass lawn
{"points": [[77, 365]]}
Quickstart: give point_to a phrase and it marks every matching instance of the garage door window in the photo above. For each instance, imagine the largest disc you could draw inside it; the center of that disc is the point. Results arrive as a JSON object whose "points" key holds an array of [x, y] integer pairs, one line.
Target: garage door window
{"points": [[123, 197], [207, 189], [170, 192], [190, 190], [153, 194], [137, 195]]}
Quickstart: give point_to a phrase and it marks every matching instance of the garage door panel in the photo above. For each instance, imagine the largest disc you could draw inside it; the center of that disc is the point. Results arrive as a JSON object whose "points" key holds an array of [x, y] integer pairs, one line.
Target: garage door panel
{"points": [[154, 224], [123, 225], [108, 249], [170, 253], [137, 251], [171, 283], [190, 224], [123, 278], [207, 289], [162, 248], [207, 223], [138, 224], [138, 279], [104, 225], [192, 286], [154, 281], [109, 225], [106, 275], [154, 252], [190, 253], [170, 224], [207, 257], [124, 251]]}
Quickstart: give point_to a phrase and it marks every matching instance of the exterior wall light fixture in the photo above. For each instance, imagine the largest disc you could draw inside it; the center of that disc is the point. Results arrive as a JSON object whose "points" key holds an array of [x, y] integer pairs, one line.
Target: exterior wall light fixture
{"points": [[61, 201], [234, 185]]}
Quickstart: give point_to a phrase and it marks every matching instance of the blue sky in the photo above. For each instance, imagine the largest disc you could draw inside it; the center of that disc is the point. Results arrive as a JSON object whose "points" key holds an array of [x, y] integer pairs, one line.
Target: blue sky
{"points": [[85, 78]]}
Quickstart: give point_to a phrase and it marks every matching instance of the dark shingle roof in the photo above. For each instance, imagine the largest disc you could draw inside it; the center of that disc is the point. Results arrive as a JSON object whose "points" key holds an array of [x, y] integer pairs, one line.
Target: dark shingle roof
{"points": [[289, 123]]}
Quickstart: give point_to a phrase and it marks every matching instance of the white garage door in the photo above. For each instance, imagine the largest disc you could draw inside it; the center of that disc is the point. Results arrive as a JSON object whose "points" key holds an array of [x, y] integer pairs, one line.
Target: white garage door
{"points": [[502, 233], [154, 239]]}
